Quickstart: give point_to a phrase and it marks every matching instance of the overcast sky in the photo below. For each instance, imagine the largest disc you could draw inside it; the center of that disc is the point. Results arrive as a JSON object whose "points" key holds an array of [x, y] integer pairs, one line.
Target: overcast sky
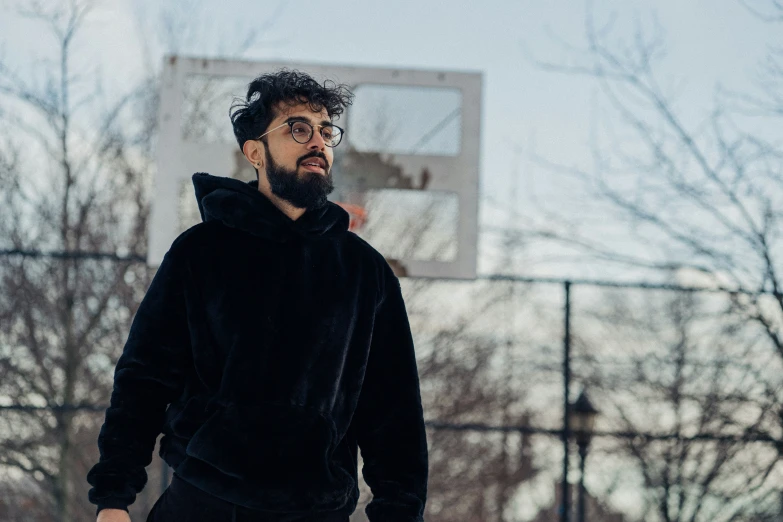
{"points": [[526, 110]]}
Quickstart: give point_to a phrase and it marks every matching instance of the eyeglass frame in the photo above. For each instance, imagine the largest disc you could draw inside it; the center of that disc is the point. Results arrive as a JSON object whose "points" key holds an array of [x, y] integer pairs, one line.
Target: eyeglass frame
{"points": [[291, 123]]}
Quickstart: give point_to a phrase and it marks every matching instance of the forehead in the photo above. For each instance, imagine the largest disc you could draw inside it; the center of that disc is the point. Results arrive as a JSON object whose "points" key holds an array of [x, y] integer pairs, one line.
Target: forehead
{"points": [[303, 110]]}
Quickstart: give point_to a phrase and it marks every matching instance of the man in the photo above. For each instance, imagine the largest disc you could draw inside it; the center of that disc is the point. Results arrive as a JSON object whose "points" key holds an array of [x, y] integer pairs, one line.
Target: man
{"points": [[278, 340]]}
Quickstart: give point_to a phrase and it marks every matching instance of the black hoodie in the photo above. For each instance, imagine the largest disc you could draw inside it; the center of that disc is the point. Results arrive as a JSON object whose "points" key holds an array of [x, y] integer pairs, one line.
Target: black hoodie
{"points": [[279, 346]]}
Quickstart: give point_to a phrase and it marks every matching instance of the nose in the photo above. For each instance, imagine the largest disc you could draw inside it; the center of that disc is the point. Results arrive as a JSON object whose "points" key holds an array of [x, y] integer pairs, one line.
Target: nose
{"points": [[316, 142]]}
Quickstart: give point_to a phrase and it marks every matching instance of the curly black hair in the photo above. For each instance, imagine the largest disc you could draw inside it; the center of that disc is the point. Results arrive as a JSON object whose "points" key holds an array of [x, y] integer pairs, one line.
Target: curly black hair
{"points": [[251, 116]]}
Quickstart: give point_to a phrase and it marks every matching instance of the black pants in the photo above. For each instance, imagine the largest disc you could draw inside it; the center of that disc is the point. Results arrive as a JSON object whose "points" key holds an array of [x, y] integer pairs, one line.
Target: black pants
{"points": [[184, 502]]}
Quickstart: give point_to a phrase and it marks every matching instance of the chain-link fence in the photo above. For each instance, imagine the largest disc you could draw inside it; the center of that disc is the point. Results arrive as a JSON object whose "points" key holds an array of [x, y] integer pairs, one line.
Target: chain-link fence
{"points": [[687, 382]]}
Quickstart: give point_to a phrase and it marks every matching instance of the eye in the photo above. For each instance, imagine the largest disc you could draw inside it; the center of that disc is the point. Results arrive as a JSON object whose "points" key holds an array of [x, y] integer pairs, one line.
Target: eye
{"points": [[300, 129]]}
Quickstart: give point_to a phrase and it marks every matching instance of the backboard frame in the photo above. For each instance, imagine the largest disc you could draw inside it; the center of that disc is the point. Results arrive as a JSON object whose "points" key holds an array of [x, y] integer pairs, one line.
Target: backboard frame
{"points": [[178, 159]]}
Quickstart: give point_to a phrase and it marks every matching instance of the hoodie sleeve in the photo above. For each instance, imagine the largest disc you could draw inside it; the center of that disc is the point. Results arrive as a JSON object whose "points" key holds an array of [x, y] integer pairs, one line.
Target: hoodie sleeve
{"points": [[390, 420], [148, 376]]}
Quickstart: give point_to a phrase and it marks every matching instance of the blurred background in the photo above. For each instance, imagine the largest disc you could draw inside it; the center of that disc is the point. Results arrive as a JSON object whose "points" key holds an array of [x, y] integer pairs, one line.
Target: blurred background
{"points": [[618, 355]]}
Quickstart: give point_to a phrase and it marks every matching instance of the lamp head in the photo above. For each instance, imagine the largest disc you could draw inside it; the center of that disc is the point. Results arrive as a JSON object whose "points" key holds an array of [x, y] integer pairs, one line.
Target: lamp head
{"points": [[582, 418]]}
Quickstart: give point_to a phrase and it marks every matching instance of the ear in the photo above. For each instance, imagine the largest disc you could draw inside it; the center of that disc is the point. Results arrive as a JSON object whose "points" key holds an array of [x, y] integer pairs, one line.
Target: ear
{"points": [[254, 153]]}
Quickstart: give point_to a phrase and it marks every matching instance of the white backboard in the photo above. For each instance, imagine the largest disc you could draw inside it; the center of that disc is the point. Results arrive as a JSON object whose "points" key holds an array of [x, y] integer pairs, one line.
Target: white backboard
{"points": [[410, 156]]}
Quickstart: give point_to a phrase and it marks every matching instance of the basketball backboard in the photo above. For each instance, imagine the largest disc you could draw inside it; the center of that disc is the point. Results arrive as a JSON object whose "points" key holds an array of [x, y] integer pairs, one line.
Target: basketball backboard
{"points": [[407, 169]]}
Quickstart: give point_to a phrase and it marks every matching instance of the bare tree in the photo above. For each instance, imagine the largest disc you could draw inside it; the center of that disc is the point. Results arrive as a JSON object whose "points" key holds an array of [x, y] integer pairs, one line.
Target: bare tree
{"points": [[471, 377], [670, 368], [74, 240], [701, 200], [64, 315], [703, 197]]}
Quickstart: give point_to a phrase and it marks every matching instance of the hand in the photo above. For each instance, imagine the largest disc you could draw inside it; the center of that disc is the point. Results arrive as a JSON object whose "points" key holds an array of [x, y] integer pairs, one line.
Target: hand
{"points": [[113, 515]]}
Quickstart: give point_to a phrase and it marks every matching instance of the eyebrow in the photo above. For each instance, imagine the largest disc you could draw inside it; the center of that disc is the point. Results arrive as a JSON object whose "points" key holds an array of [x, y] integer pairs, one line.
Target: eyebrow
{"points": [[306, 120]]}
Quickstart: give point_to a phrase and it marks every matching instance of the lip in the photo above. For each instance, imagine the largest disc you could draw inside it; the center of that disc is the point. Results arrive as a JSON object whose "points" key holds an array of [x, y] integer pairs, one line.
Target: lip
{"points": [[313, 168], [319, 166]]}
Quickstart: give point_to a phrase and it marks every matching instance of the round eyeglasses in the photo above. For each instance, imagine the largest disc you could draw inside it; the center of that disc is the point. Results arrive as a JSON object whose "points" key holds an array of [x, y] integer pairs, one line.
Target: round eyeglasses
{"points": [[302, 132]]}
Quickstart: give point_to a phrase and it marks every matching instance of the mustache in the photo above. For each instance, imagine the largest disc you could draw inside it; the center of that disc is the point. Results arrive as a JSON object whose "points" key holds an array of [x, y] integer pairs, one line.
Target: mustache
{"points": [[314, 155]]}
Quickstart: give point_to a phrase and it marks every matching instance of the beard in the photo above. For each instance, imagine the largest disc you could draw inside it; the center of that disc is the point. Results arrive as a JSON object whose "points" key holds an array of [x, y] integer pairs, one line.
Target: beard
{"points": [[308, 190]]}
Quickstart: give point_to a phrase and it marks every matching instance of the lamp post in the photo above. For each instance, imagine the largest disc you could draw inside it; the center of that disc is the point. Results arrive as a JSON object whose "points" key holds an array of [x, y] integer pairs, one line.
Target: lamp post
{"points": [[582, 421]]}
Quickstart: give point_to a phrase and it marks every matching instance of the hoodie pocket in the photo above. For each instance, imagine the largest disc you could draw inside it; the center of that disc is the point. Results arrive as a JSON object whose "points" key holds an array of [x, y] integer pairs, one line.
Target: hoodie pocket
{"points": [[273, 445]]}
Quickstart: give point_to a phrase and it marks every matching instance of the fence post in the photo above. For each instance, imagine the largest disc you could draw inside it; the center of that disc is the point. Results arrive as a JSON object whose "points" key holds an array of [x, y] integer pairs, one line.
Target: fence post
{"points": [[565, 505]]}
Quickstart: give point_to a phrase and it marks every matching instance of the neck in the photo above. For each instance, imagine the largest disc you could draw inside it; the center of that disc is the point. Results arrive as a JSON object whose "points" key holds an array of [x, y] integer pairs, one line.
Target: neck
{"points": [[285, 207]]}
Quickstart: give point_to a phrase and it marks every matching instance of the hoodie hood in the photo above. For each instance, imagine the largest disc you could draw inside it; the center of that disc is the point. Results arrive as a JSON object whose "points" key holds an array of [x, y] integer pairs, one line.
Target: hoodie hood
{"points": [[239, 204]]}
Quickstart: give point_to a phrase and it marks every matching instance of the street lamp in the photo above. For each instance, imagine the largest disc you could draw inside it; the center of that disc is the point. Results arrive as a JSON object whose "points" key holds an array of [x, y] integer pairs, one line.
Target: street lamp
{"points": [[582, 421]]}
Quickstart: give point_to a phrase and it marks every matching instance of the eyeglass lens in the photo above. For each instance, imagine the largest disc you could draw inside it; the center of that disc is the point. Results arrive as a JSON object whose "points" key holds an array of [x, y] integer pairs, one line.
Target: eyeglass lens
{"points": [[303, 131]]}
